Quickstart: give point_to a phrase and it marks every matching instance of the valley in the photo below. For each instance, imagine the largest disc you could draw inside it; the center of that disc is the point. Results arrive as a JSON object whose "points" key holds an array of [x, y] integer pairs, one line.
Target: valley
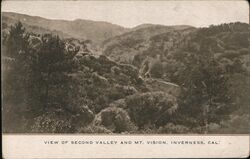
{"points": [[85, 76]]}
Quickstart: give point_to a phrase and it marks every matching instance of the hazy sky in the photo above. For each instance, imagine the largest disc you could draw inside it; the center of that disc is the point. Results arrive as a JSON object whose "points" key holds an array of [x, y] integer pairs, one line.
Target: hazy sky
{"points": [[132, 13]]}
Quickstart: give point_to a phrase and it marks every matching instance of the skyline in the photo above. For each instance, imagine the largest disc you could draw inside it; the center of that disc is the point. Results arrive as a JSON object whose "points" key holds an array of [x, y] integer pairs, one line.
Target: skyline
{"points": [[194, 13]]}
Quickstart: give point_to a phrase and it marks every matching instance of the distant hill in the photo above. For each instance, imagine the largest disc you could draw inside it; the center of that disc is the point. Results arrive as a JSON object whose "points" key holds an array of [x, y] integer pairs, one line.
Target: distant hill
{"points": [[147, 25], [95, 31]]}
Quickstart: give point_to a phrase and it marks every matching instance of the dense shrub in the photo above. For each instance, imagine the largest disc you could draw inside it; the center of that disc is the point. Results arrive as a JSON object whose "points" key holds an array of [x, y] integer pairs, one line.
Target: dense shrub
{"points": [[236, 124], [151, 107], [115, 119], [173, 129], [53, 123], [94, 129], [157, 70]]}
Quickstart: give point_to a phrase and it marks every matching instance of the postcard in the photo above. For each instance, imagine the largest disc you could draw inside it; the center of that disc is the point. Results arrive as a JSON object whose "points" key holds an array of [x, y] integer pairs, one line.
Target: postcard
{"points": [[125, 79]]}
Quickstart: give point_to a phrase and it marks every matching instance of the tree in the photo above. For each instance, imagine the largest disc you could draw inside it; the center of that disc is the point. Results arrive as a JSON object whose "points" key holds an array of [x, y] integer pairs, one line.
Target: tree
{"points": [[16, 76], [16, 64], [52, 65], [17, 41], [205, 94]]}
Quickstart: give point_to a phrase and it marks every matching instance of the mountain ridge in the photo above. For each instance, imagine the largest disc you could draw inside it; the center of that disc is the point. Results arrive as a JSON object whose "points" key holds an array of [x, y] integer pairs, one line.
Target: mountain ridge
{"points": [[63, 20], [83, 29], [97, 31]]}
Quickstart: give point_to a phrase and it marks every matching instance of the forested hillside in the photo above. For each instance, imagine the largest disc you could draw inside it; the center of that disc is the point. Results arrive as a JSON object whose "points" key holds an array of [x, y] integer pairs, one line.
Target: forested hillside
{"points": [[125, 47], [210, 64], [153, 79]]}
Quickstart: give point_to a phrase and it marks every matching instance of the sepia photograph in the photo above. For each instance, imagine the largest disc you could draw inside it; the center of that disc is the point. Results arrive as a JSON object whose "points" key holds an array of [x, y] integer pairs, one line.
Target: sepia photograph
{"points": [[125, 67]]}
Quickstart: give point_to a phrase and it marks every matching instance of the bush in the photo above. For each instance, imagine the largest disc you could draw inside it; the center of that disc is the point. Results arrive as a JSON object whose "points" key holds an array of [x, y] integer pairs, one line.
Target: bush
{"points": [[157, 70], [114, 119], [53, 123], [119, 103], [236, 124], [152, 107], [94, 129], [171, 128]]}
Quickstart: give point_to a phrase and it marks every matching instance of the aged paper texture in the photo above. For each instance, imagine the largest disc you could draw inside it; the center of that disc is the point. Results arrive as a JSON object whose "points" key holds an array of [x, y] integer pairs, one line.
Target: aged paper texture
{"points": [[125, 79]]}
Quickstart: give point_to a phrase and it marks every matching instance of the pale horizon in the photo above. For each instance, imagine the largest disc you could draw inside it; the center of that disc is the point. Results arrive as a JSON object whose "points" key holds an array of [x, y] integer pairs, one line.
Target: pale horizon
{"points": [[133, 13]]}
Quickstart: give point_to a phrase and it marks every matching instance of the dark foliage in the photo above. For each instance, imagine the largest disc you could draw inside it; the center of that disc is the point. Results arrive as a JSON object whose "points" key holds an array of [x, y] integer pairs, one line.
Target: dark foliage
{"points": [[183, 80]]}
